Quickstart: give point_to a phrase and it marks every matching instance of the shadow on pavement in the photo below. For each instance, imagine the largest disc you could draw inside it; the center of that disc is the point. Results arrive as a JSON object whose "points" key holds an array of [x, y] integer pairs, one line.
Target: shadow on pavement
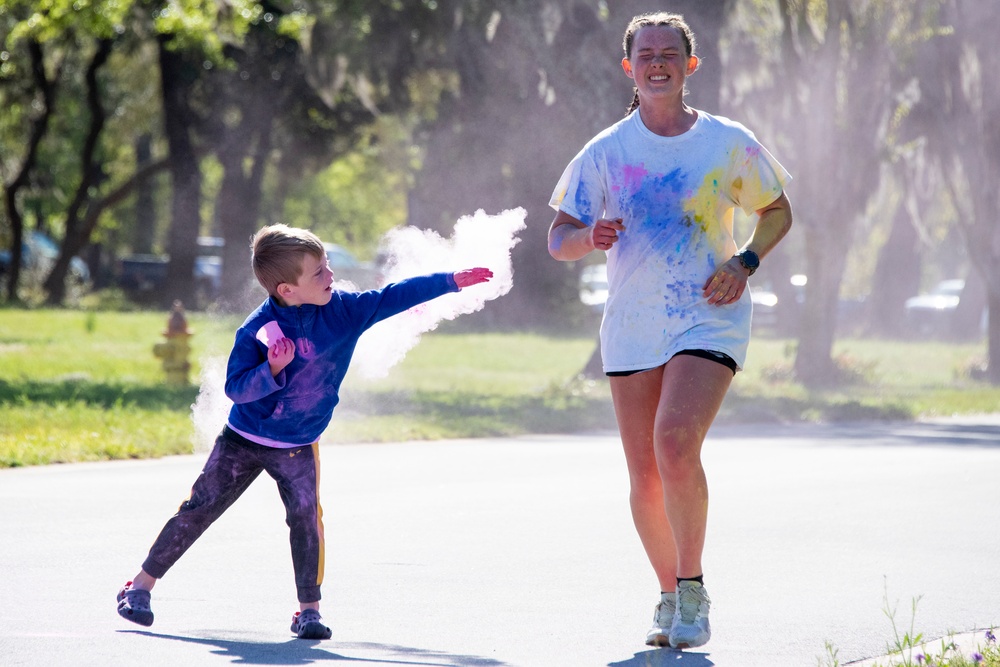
{"points": [[881, 434], [305, 652], [663, 657]]}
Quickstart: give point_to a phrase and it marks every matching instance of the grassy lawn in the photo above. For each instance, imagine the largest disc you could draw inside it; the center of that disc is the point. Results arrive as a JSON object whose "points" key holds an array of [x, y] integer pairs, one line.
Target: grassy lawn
{"points": [[79, 386]]}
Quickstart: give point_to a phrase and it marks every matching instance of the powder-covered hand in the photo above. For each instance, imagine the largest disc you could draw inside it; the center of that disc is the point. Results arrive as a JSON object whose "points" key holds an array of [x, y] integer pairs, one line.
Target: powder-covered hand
{"points": [[280, 355], [604, 233], [727, 284], [472, 277]]}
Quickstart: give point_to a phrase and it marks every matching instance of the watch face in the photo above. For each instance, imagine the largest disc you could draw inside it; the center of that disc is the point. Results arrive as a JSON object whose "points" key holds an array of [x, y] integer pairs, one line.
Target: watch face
{"points": [[749, 260]]}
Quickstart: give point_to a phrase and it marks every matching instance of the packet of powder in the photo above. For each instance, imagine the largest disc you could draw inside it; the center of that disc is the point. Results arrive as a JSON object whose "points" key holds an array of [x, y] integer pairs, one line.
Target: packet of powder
{"points": [[269, 333]]}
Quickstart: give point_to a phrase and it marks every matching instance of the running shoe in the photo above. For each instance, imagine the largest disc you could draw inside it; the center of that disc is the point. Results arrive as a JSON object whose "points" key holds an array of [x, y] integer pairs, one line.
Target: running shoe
{"points": [[690, 626], [663, 616]]}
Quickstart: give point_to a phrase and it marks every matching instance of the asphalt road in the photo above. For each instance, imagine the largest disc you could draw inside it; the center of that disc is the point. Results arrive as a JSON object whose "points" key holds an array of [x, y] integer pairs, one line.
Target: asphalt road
{"points": [[518, 552]]}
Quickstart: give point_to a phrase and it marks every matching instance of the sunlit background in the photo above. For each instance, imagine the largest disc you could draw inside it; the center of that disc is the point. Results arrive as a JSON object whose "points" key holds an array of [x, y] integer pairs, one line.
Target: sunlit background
{"points": [[141, 144]]}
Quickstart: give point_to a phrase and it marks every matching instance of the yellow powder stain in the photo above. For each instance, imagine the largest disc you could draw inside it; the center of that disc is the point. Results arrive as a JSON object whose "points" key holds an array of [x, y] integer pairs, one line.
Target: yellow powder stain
{"points": [[701, 207]]}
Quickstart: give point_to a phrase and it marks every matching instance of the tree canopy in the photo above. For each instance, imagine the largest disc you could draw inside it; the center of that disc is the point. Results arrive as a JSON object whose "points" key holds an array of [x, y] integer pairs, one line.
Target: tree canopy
{"points": [[136, 126]]}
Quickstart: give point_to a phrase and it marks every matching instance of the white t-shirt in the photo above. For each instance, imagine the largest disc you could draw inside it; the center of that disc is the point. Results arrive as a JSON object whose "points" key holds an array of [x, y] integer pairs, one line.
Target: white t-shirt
{"points": [[675, 196]]}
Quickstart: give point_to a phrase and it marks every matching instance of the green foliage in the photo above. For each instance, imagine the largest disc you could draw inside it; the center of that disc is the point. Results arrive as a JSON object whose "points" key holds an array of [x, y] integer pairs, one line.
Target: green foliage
{"points": [[294, 25], [193, 26], [361, 195], [48, 20], [494, 94]]}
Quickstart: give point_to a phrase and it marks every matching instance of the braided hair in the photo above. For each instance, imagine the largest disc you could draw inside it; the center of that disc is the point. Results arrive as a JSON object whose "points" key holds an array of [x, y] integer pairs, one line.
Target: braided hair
{"points": [[669, 19]]}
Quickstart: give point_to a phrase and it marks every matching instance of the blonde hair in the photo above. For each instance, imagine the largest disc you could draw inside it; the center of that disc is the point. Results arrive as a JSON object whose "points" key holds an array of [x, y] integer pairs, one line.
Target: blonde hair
{"points": [[278, 251]]}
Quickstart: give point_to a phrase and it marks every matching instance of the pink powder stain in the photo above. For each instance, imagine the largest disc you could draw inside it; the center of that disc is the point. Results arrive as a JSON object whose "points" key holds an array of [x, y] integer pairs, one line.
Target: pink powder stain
{"points": [[633, 175], [305, 348]]}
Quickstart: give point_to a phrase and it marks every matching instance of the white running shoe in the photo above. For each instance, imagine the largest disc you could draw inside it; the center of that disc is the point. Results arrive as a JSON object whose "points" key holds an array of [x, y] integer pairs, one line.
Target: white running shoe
{"points": [[690, 627], [659, 634]]}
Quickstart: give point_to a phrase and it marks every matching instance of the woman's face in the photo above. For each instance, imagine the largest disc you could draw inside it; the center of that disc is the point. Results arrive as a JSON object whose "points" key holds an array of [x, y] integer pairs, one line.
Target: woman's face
{"points": [[659, 65]]}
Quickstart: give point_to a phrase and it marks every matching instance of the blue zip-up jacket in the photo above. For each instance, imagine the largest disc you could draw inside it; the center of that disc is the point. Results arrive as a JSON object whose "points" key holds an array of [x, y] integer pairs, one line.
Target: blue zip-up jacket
{"points": [[296, 406]]}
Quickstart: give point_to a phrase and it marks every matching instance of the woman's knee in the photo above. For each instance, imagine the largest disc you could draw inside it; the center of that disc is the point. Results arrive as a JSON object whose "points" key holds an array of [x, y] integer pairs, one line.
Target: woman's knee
{"points": [[646, 488], [678, 452]]}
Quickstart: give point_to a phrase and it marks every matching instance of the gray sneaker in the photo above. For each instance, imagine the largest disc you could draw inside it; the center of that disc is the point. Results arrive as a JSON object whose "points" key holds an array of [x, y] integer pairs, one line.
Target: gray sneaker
{"points": [[690, 627], [663, 616]]}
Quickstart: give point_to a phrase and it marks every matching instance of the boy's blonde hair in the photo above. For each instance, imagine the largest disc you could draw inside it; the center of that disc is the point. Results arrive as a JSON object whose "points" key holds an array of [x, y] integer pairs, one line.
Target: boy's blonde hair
{"points": [[278, 251]]}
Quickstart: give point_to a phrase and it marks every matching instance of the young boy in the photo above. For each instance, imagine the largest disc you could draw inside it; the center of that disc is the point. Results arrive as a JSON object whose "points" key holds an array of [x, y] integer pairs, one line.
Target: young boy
{"points": [[284, 375]]}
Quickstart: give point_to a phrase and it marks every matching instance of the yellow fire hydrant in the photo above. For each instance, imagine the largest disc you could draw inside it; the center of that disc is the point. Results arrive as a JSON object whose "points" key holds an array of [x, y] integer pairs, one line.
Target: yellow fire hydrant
{"points": [[175, 350]]}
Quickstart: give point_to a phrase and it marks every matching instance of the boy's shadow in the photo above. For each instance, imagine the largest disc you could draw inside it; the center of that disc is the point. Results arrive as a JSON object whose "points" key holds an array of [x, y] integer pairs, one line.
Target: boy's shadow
{"points": [[665, 657], [304, 652]]}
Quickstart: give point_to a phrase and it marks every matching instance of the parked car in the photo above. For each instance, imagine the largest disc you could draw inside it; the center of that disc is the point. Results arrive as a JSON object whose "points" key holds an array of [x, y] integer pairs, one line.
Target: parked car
{"points": [[594, 287], [347, 267], [765, 309], [936, 313], [143, 276], [38, 254]]}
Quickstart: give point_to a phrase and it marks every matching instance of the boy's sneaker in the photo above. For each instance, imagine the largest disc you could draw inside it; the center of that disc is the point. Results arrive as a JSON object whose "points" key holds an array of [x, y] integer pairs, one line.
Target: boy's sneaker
{"points": [[663, 617], [690, 627], [133, 605], [306, 625]]}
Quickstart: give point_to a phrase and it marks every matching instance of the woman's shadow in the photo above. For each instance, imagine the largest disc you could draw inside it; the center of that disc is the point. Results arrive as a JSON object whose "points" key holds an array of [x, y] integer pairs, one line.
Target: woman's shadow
{"points": [[665, 657]]}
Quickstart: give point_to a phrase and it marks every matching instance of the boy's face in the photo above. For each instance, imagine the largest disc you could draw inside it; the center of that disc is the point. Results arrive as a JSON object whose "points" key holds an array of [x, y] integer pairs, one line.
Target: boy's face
{"points": [[313, 287]]}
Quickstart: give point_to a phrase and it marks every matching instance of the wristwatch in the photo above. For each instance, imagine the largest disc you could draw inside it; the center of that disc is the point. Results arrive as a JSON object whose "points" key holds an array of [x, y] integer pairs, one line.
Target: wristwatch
{"points": [[749, 259]]}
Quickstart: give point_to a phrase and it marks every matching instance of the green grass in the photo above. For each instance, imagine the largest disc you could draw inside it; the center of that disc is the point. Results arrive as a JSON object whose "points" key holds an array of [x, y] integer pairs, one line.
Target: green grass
{"points": [[80, 386], [477, 385], [882, 380]]}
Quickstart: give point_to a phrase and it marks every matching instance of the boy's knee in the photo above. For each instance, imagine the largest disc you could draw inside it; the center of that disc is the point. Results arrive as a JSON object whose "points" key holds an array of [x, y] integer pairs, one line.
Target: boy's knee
{"points": [[302, 509]]}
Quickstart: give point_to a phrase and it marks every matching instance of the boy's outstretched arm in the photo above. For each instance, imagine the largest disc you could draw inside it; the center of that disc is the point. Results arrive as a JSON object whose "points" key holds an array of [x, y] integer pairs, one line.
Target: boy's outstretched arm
{"points": [[472, 277]]}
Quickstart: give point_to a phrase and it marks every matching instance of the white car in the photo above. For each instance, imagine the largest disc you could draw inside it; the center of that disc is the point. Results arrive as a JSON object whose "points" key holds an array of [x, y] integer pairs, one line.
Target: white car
{"points": [[934, 313], [594, 286]]}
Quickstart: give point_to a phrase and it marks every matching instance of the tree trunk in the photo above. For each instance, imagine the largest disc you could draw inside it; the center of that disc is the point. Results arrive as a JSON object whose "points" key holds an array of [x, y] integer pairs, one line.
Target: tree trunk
{"points": [[840, 104], [91, 173], [826, 252], [897, 272], [238, 206], [145, 204], [959, 114], [39, 126], [185, 220], [993, 335]]}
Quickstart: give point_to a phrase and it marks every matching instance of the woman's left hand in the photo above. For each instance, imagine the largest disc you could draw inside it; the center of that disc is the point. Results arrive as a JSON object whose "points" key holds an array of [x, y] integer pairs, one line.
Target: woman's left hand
{"points": [[727, 284]]}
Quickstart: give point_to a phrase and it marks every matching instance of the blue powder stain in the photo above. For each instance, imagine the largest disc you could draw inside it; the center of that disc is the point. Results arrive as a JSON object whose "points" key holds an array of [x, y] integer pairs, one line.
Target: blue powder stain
{"points": [[656, 213], [584, 206], [658, 200]]}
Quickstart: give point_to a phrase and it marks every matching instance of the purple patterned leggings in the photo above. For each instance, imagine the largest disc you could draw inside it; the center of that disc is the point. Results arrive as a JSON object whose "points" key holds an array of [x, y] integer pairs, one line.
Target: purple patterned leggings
{"points": [[233, 465]]}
